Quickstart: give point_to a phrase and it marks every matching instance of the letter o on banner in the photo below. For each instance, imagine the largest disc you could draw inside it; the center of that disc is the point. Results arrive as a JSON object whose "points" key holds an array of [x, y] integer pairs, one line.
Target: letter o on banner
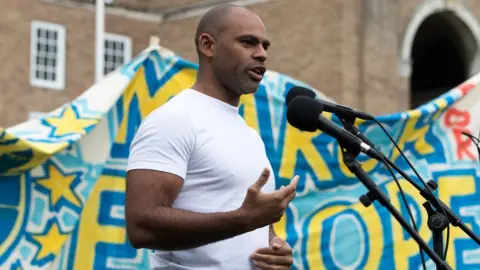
{"points": [[336, 237]]}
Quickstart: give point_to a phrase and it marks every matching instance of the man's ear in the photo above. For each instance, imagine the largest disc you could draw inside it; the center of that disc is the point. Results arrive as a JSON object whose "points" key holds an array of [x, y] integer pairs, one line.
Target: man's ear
{"points": [[206, 44]]}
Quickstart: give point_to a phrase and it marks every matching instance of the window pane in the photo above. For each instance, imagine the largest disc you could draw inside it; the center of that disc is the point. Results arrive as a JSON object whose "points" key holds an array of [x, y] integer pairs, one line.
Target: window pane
{"points": [[46, 54], [114, 53]]}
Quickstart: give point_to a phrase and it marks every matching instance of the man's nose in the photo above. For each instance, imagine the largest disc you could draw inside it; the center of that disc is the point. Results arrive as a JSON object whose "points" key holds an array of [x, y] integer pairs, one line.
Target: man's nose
{"points": [[260, 54]]}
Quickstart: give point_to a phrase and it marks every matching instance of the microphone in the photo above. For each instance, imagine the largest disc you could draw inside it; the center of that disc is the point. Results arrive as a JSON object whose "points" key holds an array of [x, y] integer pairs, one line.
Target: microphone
{"points": [[305, 114], [299, 91], [339, 110]]}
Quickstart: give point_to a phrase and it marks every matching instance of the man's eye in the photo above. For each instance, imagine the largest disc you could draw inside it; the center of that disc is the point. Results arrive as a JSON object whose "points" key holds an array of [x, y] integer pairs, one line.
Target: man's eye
{"points": [[248, 42]]}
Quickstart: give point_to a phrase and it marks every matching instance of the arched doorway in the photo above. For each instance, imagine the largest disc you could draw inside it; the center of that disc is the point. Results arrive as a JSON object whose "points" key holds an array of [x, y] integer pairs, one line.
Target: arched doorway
{"points": [[439, 49], [441, 57]]}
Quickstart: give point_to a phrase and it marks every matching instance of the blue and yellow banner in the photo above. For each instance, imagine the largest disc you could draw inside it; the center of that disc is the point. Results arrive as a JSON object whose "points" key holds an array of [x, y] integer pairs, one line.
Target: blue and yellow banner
{"points": [[62, 182]]}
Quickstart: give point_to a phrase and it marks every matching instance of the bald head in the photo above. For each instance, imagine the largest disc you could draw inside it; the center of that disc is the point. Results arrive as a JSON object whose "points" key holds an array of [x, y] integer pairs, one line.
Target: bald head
{"points": [[231, 43], [214, 21]]}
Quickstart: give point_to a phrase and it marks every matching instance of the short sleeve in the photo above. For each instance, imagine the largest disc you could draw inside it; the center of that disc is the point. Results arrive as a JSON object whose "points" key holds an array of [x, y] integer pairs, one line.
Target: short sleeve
{"points": [[163, 142]]}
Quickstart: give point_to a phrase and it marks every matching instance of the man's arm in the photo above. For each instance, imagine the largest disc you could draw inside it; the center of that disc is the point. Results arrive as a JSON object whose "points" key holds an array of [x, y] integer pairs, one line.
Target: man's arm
{"points": [[152, 223], [157, 166], [156, 170]]}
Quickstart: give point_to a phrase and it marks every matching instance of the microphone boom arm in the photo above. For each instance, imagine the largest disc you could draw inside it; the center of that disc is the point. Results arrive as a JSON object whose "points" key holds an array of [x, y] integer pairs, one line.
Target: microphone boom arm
{"points": [[455, 220], [375, 193]]}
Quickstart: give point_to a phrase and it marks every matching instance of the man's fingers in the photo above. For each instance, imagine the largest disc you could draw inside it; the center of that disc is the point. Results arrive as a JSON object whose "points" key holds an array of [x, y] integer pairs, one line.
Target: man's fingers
{"points": [[290, 197], [292, 187], [294, 182], [277, 243], [262, 265], [261, 180], [288, 190], [284, 250], [272, 259]]}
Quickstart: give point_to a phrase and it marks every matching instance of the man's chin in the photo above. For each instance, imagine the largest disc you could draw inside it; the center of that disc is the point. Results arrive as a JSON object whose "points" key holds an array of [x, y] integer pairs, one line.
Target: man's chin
{"points": [[251, 88]]}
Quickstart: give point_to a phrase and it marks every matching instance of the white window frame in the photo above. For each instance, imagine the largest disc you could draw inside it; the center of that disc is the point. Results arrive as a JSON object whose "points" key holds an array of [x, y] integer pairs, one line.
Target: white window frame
{"points": [[59, 83], [127, 47]]}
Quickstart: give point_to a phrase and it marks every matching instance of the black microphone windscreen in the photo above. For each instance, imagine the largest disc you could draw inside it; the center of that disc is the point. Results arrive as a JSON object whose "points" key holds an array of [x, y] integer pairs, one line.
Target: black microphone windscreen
{"points": [[298, 91], [303, 112]]}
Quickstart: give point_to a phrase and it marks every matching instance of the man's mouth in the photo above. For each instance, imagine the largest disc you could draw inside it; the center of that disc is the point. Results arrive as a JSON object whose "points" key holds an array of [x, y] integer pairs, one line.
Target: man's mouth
{"points": [[256, 73]]}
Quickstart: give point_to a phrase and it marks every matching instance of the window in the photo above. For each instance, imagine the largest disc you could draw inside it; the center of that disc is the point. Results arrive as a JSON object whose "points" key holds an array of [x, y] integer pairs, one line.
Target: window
{"points": [[118, 51], [47, 55]]}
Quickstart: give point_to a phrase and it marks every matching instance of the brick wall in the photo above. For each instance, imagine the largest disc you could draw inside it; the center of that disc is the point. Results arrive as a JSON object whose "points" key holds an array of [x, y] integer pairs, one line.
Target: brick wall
{"points": [[329, 44], [18, 97], [156, 5], [350, 50]]}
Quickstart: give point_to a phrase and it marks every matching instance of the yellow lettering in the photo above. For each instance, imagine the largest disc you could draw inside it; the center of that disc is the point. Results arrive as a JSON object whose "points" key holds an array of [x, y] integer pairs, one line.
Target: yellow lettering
{"points": [[90, 232], [295, 141], [411, 134], [146, 104], [374, 235], [404, 249], [280, 227], [448, 187], [315, 228], [368, 166], [250, 111], [441, 103], [182, 80]]}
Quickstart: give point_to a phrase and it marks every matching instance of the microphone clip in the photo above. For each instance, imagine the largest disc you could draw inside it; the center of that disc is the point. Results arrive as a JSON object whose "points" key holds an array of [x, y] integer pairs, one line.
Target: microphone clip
{"points": [[348, 122]]}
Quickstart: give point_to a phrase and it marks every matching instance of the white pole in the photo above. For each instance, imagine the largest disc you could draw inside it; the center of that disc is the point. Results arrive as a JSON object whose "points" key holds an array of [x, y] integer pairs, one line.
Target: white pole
{"points": [[99, 39]]}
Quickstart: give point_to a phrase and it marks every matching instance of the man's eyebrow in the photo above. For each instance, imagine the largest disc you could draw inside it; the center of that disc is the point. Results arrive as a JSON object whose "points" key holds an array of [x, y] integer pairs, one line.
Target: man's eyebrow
{"points": [[264, 41]]}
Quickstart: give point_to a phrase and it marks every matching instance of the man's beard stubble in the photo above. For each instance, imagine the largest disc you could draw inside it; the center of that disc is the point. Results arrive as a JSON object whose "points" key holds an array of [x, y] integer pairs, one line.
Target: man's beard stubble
{"points": [[237, 83]]}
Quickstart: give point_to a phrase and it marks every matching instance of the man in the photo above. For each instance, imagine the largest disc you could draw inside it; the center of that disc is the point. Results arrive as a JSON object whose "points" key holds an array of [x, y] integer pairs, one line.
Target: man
{"points": [[199, 188]]}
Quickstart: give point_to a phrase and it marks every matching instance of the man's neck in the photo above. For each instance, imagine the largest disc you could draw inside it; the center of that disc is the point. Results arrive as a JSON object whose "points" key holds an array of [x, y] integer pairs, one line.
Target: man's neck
{"points": [[216, 90]]}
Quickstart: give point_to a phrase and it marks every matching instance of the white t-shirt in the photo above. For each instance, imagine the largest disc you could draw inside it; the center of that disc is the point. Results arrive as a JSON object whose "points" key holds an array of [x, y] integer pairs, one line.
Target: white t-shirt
{"points": [[208, 144]]}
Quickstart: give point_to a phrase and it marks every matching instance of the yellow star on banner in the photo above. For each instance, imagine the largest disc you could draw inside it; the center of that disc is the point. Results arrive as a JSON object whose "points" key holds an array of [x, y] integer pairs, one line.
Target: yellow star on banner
{"points": [[51, 243], [69, 123], [59, 186]]}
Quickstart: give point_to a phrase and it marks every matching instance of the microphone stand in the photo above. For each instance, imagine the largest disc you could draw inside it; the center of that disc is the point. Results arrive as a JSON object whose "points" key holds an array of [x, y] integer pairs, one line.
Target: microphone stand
{"points": [[375, 193], [437, 221]]}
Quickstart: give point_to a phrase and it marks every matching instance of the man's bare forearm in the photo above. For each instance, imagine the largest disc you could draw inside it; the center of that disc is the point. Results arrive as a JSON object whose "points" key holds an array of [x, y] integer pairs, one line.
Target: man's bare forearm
{"points": [[174, 229]]}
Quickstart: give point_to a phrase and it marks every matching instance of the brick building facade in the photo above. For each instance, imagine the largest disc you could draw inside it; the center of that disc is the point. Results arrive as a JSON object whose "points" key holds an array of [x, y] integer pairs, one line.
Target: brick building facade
{"points": [[374, 55]]}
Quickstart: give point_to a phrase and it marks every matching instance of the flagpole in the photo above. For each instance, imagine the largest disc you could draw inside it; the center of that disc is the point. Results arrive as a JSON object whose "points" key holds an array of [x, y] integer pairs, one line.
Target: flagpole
{"points": [[99, 39]]}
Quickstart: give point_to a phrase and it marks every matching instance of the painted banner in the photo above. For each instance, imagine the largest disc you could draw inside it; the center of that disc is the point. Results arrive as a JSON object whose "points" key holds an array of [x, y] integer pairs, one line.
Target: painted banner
{"points": [[62, 180]]}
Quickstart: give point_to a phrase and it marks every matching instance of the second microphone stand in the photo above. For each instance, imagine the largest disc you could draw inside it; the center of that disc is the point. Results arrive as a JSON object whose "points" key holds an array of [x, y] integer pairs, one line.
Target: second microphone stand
{"points": [[437, 222], [375, 193]]}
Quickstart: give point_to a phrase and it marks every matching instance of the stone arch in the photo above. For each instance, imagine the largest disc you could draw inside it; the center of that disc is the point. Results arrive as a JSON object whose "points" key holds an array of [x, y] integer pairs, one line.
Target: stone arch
{"points": [[439, 35]]}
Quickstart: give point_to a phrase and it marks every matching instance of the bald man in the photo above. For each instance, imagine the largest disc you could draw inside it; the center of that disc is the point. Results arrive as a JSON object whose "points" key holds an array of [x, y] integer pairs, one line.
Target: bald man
{"points": [[200, 191]]}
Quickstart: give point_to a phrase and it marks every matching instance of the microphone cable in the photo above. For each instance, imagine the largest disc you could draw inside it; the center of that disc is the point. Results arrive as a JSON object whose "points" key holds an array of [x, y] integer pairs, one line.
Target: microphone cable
{"points": [[406, 206], [476, 141], [423, 182], [397, 182], [387, 165]]}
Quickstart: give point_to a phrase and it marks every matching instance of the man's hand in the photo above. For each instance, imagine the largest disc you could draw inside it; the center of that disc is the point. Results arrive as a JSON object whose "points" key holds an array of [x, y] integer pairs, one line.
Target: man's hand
{"points": [[277, 256], [262, 209]]}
